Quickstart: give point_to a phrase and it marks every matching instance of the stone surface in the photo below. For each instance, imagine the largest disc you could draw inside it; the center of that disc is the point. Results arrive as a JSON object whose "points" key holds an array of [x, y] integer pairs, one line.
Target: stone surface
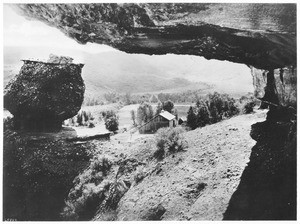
{"points": [[261, 35], [284, 86], [267, 190], [43, 94]]}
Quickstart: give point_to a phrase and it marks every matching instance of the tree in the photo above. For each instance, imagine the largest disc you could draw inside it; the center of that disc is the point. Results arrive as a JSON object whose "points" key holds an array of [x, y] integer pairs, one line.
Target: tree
{"points": [[127, 99], [168, 106], [79, 119], [202, 114], [158, 108], [144, 113], [133, 117], [191, 119]]}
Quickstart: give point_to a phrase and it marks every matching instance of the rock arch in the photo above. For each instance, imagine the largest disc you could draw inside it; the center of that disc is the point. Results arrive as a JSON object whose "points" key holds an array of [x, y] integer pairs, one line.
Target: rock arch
{"points": [[262, 36]]}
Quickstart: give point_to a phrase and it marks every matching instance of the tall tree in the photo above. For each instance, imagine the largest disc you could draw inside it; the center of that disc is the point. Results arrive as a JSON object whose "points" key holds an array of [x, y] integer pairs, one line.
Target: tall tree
{"points": [[191, 119], [144, 113]]}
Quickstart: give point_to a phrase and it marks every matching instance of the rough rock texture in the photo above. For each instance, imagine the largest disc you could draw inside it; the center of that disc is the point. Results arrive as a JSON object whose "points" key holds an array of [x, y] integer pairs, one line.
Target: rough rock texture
{"points": [[38, 172], [267, 190], [43, 94], [283, 83], [261, 35]]}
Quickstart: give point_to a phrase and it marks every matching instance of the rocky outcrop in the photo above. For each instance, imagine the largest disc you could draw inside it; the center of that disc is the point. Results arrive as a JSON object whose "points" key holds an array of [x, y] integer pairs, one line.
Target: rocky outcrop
{"points": [[277, 86], [43, 94], [38, 172], [267, 190], [261, 35]]}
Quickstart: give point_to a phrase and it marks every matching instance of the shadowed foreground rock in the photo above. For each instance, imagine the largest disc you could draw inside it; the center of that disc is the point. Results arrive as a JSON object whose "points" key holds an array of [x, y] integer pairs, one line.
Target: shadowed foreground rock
{"points": [[44, 94], [267, 190]]}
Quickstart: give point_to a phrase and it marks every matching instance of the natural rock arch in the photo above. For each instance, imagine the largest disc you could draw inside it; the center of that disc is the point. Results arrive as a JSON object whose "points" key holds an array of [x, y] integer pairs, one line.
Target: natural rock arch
{"points": [[262, 36]]}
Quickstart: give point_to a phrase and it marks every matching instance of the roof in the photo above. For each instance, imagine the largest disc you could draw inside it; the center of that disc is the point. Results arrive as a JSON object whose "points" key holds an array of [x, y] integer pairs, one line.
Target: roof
{"points": [[167, 115], [183, 118]]}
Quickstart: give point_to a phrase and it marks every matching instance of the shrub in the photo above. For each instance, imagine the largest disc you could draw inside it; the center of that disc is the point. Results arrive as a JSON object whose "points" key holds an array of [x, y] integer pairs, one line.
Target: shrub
{"points": [[100, 164], [169, 140], [112, 124], [90, 189], [248, 107], [111, 120], [139, 174], [91, 125]]}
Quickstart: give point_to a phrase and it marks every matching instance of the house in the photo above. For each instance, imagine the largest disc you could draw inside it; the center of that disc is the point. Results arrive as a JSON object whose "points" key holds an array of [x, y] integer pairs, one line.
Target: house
{"points": [[182, 121], [163, 119]]}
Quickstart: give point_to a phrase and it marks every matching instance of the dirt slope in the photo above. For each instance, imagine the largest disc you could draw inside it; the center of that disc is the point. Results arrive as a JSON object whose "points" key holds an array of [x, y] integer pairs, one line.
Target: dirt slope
{"points": [[195, 184]]}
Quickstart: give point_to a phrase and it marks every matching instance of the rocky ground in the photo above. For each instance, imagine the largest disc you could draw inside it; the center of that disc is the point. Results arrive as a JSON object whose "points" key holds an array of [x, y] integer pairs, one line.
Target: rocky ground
{"points": [[195, 184]]}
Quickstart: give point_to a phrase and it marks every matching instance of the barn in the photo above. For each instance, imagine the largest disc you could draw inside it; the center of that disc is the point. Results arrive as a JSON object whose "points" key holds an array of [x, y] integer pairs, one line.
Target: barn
{"points": [[163, 119]]}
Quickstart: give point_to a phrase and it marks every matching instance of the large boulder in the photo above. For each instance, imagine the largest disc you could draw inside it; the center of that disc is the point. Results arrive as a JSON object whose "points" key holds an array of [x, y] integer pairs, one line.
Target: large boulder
{"points": [[44, 94]]}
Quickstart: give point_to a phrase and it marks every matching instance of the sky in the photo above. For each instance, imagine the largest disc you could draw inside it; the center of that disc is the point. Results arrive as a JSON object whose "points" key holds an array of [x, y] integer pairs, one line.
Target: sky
{"points": [[18, 31]]}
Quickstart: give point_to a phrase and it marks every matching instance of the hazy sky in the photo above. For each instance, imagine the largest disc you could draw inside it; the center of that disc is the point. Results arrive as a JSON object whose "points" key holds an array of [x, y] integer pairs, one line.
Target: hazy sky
{"points": [[18, 31]]}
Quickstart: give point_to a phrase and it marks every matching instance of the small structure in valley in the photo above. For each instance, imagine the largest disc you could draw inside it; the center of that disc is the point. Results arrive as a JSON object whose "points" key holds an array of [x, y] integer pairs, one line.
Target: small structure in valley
{"points": [[163, 119]]}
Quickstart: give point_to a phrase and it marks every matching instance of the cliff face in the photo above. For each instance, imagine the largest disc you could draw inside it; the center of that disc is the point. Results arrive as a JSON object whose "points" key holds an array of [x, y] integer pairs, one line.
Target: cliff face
{"points": [[282, 86]]}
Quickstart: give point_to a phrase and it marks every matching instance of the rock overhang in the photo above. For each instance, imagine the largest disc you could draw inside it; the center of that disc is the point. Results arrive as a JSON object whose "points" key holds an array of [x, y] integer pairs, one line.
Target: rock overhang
{"points": [[259, 35]]}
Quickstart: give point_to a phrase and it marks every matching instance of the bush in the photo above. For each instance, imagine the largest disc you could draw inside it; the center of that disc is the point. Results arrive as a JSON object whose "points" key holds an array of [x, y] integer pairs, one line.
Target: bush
{"points": [[89, 190], [100, 164], [139, 174], [248, 107], [169, 140], [112, 124], [91, 125], [111, 120]]}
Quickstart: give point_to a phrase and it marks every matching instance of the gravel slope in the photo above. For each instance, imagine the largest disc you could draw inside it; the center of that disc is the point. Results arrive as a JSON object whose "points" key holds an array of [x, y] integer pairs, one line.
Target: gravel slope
{"points": [[198, 183]]}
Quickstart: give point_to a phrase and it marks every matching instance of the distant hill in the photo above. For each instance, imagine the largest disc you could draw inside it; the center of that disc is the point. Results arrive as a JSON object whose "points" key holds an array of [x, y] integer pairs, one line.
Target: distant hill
{"points": [[115, 71]]}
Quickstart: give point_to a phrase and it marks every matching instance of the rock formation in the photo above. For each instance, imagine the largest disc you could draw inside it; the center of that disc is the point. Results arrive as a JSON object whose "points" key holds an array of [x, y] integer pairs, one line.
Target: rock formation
{"points": [[43, 94], [262, 36]]}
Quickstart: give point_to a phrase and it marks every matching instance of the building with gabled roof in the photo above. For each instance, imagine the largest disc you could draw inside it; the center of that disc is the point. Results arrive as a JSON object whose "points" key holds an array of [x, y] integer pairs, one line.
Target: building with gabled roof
{"points": [[163, 119]]}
